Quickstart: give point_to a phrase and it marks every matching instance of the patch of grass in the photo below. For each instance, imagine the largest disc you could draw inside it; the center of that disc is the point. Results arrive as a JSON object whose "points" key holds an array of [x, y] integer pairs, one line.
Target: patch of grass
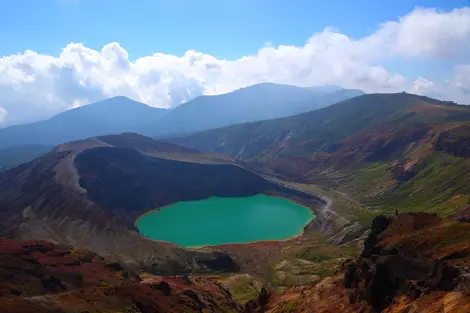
{"points": [[244, 292], [243, 287], [375, 171], [343, 203], [442, 185], [289, 307], [322, 251], [305, 264], [105, 284]]}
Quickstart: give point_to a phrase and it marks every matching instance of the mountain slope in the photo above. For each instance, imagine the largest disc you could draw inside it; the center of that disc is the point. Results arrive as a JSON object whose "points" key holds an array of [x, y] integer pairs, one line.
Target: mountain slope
{"points": [[89, 193], [11, 157], [114, 115], [410, 263], [257, 102], [392, 150], [120, 114], [39, 276]]}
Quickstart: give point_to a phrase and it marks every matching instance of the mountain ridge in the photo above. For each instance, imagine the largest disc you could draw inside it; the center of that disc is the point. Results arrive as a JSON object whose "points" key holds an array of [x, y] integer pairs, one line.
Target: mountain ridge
{"points": [[114, 115], [388, 140], [120, 114], [257, 102]]}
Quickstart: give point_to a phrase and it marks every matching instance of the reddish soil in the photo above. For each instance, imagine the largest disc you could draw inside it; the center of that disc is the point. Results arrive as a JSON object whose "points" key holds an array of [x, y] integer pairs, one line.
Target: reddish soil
{"points": [[36, 267], [430, 108], [200, 296], [414, 262], [38, 276]]}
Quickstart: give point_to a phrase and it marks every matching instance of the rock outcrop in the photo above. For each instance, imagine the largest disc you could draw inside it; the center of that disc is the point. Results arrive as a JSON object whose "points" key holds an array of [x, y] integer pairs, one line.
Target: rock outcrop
{"points": [[394, 263], [41, 277], [413, 262], [30, 268]]}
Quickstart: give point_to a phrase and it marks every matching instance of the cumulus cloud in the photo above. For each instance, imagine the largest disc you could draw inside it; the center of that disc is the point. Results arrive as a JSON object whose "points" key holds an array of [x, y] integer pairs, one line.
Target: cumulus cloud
{"points": [[35, 86], [430, 33]]}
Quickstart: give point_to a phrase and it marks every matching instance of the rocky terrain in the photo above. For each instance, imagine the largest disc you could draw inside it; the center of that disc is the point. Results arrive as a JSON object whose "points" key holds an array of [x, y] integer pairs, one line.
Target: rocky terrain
{"points": [[357, 164], [89, 193], [38, 276], [414, 262]]}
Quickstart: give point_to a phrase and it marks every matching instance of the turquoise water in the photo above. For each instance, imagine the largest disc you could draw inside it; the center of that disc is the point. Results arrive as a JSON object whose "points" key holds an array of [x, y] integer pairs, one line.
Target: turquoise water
{"points": [[216, 221]]}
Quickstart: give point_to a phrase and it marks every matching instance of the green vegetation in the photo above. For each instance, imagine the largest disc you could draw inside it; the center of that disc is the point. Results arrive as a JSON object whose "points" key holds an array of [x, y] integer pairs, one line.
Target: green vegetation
{"points": [[289, 306], [309, 262], [244, 292], [371, 154], [371, 175], [243, 287], [320, 130], [441, 186]]}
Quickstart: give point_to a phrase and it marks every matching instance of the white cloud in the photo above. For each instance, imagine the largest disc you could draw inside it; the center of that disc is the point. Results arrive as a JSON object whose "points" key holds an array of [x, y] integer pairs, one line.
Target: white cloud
{"points": [[34, 86], [422, 86], [3, 114], [430, 33]]}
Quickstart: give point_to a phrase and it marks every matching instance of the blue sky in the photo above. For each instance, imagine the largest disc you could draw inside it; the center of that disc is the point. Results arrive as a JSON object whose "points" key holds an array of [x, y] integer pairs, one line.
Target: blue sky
{"points": [[224, 28], [68, 53]]}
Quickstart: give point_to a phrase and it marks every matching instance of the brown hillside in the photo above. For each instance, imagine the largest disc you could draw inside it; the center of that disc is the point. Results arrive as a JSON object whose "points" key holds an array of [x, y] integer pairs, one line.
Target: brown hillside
{"points": [[38, 276], [385, 151], [414, 262]]}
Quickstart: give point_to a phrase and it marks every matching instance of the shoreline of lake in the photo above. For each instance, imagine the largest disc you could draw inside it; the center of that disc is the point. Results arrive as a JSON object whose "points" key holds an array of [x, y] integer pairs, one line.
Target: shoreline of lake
{"points": [[282, 215]]}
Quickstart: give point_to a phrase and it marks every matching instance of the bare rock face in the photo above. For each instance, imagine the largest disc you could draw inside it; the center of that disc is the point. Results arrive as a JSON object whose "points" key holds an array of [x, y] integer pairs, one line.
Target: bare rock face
{"points": [[396, 262], [259, 304]]}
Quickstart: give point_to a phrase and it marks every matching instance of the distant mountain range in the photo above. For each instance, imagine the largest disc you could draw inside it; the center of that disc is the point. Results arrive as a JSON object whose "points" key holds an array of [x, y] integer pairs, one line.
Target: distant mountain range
{"points": [[114, 115], [120, 114], [254, 103]]}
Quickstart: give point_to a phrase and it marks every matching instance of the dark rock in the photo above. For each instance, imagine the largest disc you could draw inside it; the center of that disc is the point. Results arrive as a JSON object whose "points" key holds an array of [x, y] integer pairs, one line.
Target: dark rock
{"points": [[186, 279], [258, 305], [53, 284], [114, 266], [414, 292], [380, 274], [379, 224], [163, 286], [444, 276], [218, 262], [193, 295]]}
